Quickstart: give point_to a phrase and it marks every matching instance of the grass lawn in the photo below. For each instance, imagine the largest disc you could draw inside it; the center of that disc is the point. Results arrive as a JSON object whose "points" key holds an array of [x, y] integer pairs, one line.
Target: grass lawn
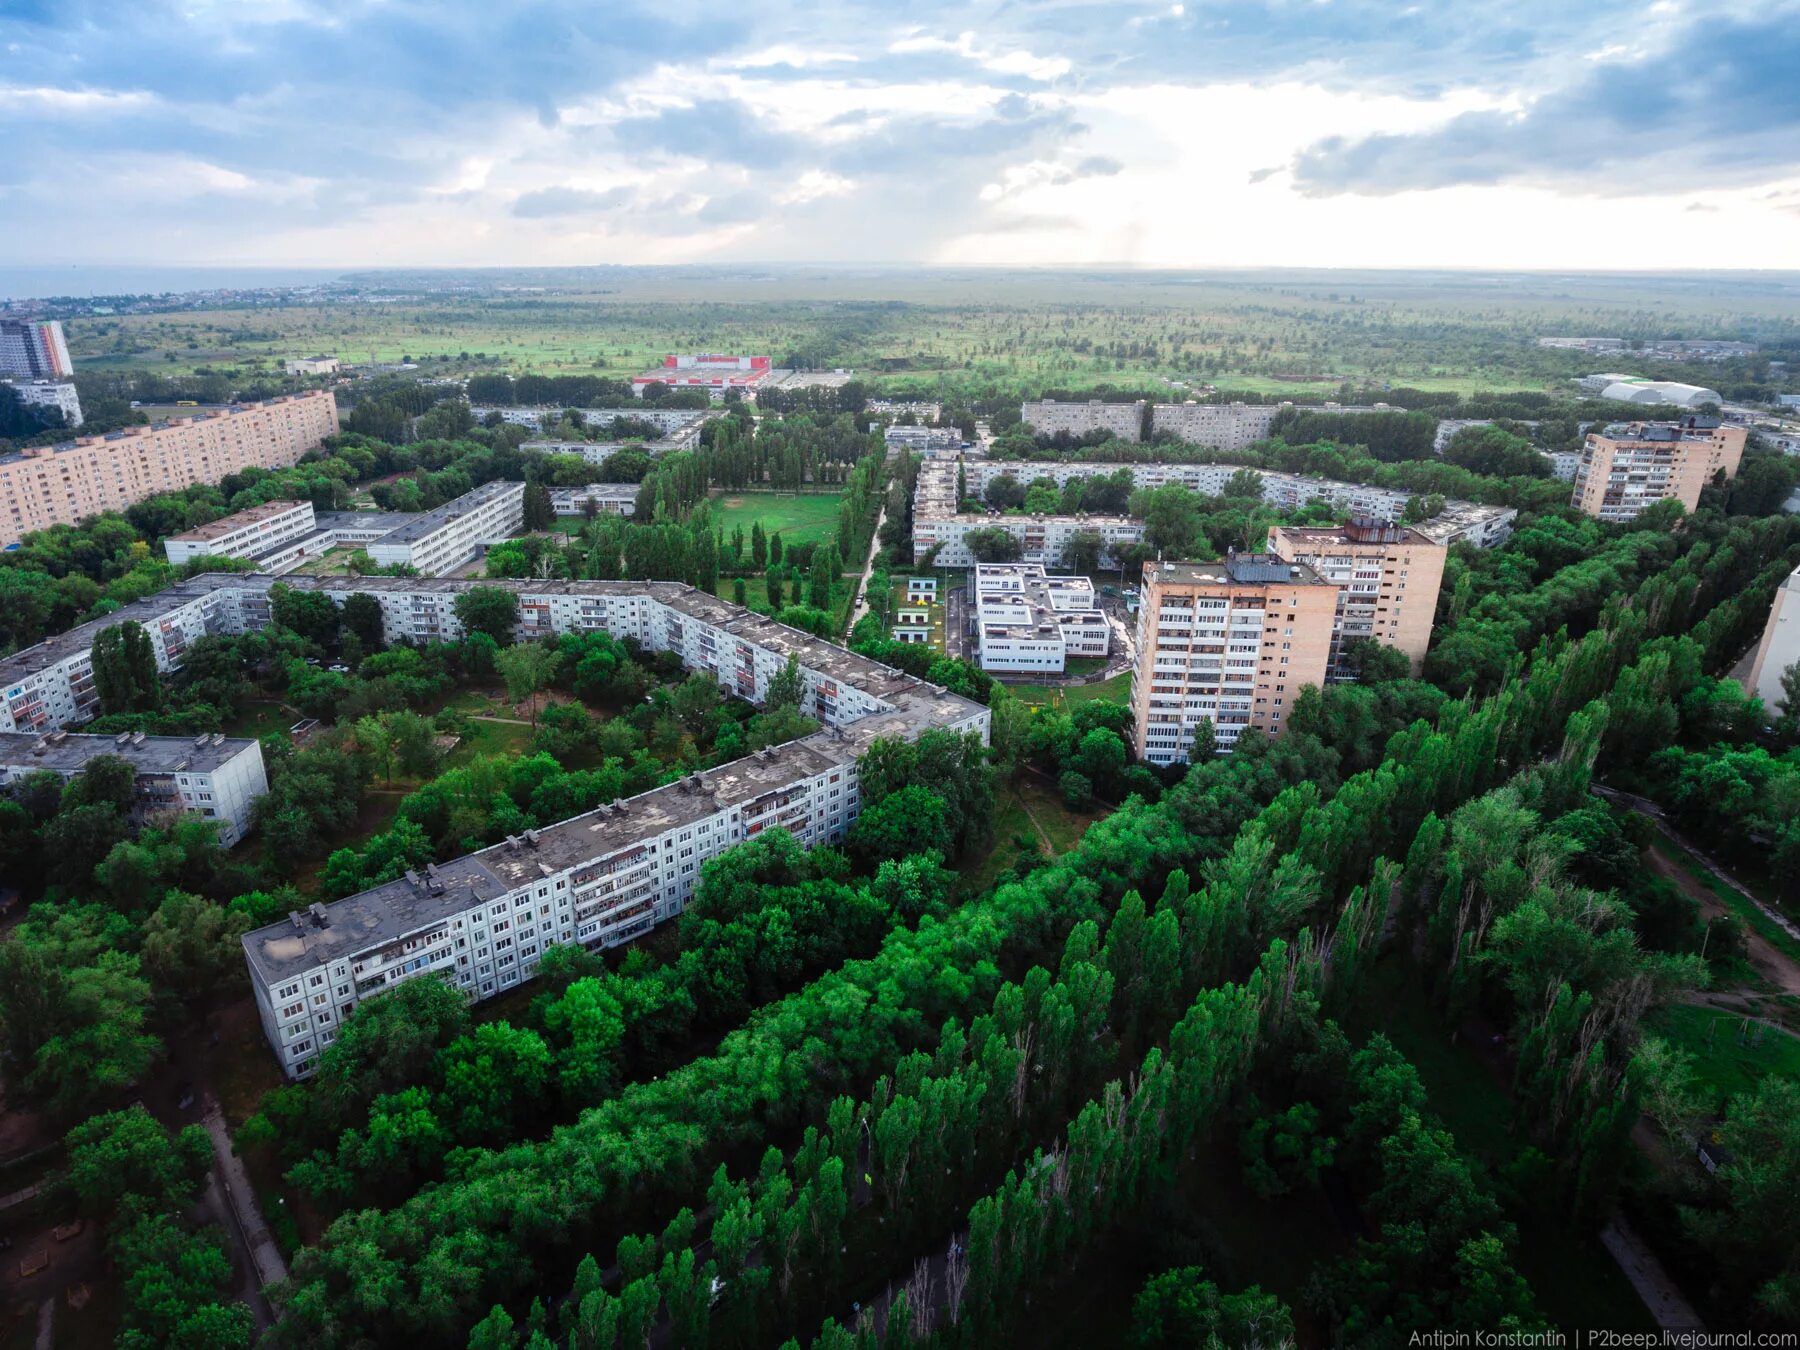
{"points": [[1725, 1057], [1735, 904], [803, 518], [330, 563], [1030, 809], [261, 718], [1115, 690]]}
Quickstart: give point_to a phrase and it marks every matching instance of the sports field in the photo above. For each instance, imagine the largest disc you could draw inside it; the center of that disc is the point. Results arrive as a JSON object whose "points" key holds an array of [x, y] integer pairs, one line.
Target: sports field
{"points": [[802, 519]]}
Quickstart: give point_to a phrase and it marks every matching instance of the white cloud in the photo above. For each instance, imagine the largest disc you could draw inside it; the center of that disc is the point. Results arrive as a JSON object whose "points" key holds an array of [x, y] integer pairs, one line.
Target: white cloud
{"points": [[1014, 62]]}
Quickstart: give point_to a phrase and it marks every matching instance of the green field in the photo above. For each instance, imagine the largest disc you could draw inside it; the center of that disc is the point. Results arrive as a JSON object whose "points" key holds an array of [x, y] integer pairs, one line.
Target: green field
{"points": [[1296, 333], [1115, 690], [807, 518], [1728, 1055]]}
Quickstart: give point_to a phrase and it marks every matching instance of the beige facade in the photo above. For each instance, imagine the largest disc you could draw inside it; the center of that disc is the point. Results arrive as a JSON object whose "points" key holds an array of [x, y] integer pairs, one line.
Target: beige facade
{"points": [[1628, 466], [1387, 579], [1779, 647], [63, 484], [1232, 643]]}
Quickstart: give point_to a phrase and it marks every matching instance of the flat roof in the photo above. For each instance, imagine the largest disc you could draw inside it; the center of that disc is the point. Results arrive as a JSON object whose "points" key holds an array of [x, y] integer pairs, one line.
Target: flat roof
{"points": [[250, 515], [1246, 569], [1340, 534], [426, 523], [68, 752]]}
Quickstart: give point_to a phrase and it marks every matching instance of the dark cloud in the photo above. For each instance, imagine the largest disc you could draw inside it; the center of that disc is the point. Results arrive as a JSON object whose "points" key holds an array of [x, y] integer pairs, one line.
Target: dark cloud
{"points": [[568, 201], [1721, 106]]}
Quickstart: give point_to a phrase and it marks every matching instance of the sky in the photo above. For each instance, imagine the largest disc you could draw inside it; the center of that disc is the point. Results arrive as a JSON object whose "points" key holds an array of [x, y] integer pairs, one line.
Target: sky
{"points": [[1181, 133]]}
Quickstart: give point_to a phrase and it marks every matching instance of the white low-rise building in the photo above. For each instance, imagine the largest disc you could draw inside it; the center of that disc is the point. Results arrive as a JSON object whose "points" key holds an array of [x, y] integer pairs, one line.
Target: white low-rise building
{"points": [[437, 542], [1029, 621], [928, 441], [249, 533], [311, 365], [609, 499], [213, 776]]}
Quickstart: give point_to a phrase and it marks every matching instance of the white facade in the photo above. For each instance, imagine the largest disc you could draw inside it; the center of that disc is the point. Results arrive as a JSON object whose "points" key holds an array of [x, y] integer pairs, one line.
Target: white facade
{"points": [[482, 921], [312, 365], [609, 499], [1027, 620], [245, 534], [210, 776], [1047, 417], [1044, 538], [1218, 426], [927, 441], [439, 541], [1779, 647], [58, 394]]}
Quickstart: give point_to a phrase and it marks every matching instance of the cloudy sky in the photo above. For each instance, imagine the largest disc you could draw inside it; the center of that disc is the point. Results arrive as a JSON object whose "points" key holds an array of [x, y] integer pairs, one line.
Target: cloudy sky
{"points": [[1532, 133]]}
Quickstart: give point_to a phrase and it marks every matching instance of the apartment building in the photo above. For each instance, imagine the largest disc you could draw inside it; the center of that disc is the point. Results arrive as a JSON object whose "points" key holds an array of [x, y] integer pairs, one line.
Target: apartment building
{"points": [[244, 534], [1028, 620], [1627, 466], [930, 442], [482, 921], [58, 394], [435, 543], [1218, 426], [609, 499], [1236, 426], [1387, 578], [1232, 643], [893, 407], [63, 484], [1048, 417], [34, 350], [214, 776], [938, 524], [1778, 648]]}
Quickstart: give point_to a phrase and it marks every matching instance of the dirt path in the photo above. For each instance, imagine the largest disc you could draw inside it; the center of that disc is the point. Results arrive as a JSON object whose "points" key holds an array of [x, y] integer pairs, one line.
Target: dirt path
{"points": [[1043, 834], [1767, 959]]}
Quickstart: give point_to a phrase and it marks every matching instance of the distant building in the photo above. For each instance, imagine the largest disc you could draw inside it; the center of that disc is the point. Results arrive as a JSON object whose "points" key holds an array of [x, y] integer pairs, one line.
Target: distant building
{"points": [[1028, 620], [61, 395], [609, 499], [1787, 400], [1048, 417], [1779, 647], [1237, 426], [435, 543], [927, 441], [1218, 426], [1387, 578], [1471, 523], [1628, 466], [312, 365], [1583, 344], [62, 484], [890, 407], [31, 350], [1232, 643], [244, 534], [1658, 392], [211, 776], [715, 374]]}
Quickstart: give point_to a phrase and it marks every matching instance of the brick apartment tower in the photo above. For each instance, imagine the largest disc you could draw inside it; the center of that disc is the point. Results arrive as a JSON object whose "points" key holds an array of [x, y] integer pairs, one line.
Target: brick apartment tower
{"points": [[1387, 578], [1627, 466], [1230, 642]]}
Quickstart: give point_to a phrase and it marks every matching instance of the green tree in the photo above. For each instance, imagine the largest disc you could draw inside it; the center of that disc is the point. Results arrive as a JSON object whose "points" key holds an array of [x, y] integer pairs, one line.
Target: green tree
{"points": [[908, 822], [527, 669], [124, 665], [489, 610], [362, 616], [128, 1154], [191, 945], [540, 515], [786, 686], [311, 614]]}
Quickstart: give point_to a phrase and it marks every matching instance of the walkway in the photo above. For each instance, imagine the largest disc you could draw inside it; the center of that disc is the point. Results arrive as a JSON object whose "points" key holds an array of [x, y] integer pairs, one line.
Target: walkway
{"points": [[242, 1221], [1661, 1296], [861, 607]]}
